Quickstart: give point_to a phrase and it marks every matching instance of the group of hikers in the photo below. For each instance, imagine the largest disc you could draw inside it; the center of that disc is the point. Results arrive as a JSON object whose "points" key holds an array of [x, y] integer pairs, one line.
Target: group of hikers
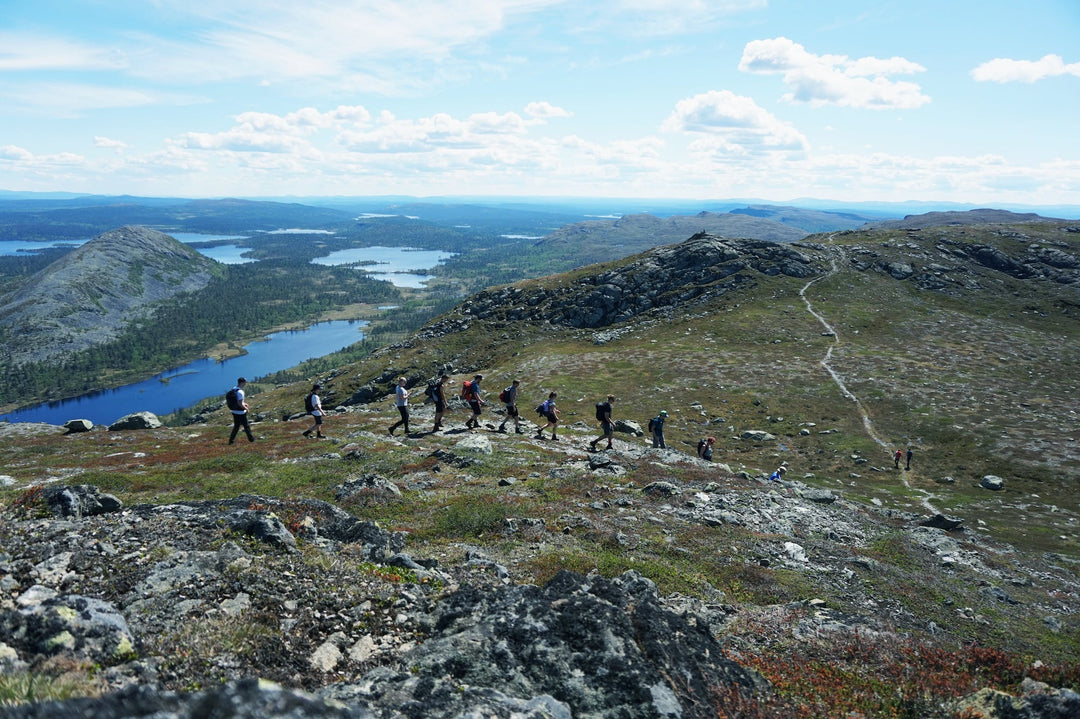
{"points": [[435, 392], [471, 393]]}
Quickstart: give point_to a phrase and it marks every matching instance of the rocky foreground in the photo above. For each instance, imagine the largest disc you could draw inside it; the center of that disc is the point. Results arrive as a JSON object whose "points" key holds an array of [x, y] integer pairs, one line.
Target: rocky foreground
{"points": [[267, 607]]}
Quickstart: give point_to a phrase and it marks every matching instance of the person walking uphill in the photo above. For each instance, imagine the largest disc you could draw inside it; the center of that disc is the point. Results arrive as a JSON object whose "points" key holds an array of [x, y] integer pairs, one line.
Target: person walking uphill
{"points": [[656, 426], [896, 458], [470, 392], [234, 399], [402, 400], [548, 410], [509, 397], [438, 396], [313, 405], [607, 426]]}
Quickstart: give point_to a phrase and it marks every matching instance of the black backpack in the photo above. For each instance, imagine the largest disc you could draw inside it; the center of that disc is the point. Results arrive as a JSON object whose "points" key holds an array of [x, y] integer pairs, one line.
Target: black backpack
{"points": [[309, 403], [432, 388], [601, 411], [232, 400], [652, 424]]}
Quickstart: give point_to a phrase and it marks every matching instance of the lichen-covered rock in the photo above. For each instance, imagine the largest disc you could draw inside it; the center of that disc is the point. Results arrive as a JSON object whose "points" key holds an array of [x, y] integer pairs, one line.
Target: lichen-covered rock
{"points": [[136, 420]]}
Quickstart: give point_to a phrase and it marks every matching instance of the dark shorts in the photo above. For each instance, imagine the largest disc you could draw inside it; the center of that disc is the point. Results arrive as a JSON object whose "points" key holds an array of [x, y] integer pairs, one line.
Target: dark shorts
{"points": [[511, 410], [317, 418], [475, 404], [550, 416], [440, 406], [608, 428]]}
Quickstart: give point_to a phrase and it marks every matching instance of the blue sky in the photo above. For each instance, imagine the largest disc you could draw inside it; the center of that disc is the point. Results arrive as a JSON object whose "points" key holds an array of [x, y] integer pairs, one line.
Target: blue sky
{"points": [[950, 100]]}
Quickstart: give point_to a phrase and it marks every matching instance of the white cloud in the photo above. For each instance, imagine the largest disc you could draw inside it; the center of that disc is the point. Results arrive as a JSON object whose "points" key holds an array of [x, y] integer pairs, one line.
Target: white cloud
{"points": [[545, 111], [1006, 70], [109, 144], [734, 121], [22, 52], [835, 79]]}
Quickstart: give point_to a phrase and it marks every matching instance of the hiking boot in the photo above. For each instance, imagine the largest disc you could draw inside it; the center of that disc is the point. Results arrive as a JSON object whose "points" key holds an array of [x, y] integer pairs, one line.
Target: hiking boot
{"points": [[391, 431], [502, 430], [519, 430], [554, 438], [321, 436], [592, 446], [307, 433]]}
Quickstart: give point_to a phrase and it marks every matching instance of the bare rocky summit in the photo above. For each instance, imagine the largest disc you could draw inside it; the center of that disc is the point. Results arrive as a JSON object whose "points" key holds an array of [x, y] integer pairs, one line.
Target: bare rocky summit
{"points": [[86, 297]]}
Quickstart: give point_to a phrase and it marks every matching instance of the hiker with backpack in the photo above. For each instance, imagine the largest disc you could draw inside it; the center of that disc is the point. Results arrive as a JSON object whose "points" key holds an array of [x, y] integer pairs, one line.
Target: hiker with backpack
{"points": [[548, 411], [607, 426], [401, 399], [313, 406], [470, 392], [509, 397], [234, 400], [704, 448], [656, 426], [436, 392]]}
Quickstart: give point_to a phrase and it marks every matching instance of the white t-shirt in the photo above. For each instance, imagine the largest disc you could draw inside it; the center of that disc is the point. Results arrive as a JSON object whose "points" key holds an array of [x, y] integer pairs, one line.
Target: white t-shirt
{"points": [[402, 396]]}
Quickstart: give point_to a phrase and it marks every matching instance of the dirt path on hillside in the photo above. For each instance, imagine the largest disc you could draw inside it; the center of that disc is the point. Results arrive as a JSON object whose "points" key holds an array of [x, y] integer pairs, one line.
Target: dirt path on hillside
{"points": [[834, 268]]}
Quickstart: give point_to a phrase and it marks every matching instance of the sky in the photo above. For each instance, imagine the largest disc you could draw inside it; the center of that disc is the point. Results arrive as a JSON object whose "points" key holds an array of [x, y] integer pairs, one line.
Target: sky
{"points": [[899, 100]]}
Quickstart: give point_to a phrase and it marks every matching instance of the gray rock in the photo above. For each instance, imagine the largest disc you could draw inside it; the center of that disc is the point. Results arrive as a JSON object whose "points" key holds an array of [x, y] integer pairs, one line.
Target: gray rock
{"points": [[941, 521], [136, 420], [262, 525], [81, 500], [71, 624], [477, 443], [661, 489], [369, 487], [818, 496], [74, 426], [757, 435], [630, 427], [992, 482]]}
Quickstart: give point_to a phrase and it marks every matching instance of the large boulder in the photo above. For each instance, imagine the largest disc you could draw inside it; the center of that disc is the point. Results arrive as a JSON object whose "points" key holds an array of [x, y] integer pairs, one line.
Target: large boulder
{"points": [[579, 646], [136, 420], [81, 500], [992, 482], [74, 426]]}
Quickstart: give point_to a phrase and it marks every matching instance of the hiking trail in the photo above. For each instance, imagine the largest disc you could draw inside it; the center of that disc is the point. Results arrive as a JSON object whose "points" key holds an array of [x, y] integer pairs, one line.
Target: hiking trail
{"points": [[834, 253]]}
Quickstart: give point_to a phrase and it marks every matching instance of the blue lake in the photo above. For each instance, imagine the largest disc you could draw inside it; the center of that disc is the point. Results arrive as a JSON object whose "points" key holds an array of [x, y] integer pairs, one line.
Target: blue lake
{"points": [[185, 386], [400, 266], [227, 254]]}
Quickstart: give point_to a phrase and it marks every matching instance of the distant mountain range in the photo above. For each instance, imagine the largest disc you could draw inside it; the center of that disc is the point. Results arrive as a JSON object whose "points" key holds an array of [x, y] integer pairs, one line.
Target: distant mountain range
{"points": [[970, 217]]}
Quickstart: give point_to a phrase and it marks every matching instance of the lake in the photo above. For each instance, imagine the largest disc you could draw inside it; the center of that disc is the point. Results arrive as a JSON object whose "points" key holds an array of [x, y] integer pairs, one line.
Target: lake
{"points": [[400, 266], [185, 386], [229, 254]]}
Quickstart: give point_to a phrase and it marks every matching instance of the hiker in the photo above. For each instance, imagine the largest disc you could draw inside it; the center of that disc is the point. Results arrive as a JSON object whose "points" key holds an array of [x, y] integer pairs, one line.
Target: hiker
{"points": [[704, 448], [402, 400], [778, 474], [509, 397], [313, 406], [896, 458], [437, 393], [234, 398], [470, 392], [603, 413], [548, 410], [908, 467], [656, 426]]}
